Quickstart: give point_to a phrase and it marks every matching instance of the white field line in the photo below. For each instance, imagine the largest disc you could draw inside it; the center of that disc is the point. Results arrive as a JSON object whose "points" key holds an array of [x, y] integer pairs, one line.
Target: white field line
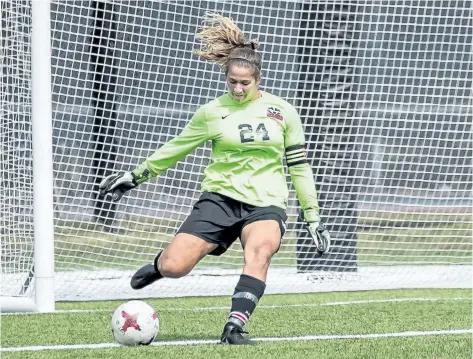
{"points": [[278, 339], [327, 304]]}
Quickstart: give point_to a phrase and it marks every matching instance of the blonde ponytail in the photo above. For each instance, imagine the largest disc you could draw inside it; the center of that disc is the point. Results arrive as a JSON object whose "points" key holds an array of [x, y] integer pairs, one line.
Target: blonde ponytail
{"points": [[222, 41]]}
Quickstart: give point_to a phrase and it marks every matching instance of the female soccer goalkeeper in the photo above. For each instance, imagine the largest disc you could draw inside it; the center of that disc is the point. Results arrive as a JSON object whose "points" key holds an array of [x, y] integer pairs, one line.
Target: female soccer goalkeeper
{"points": [[244, 190]]}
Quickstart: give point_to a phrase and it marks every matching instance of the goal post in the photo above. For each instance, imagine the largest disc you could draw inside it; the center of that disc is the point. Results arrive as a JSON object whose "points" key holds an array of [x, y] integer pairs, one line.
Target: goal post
{"points": [[42, 268], [387, 114], [41, 115]]}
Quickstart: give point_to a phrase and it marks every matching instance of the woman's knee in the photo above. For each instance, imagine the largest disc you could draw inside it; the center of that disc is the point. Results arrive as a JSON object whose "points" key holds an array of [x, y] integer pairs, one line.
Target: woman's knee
{"points": [[182, 254], [259, 255], [171, 267]]}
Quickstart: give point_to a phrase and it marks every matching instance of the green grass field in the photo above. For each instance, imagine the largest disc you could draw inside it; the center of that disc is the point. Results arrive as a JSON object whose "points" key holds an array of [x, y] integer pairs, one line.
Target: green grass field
{"points": [[403, 324], [367, 324]]}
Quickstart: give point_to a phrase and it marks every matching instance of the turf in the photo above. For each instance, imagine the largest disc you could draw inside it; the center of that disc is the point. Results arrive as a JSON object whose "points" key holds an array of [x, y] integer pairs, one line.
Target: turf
{"points": [[278, 316], [436, 347]]}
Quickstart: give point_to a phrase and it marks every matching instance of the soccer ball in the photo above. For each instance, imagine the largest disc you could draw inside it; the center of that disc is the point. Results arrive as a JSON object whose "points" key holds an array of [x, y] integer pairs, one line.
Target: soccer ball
{"points": [[135, 323]]}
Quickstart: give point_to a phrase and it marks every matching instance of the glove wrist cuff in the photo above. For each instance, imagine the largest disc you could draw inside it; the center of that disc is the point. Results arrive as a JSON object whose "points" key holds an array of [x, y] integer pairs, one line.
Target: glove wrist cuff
{"points": [[140, 176], [135, 177], [311, 215]]}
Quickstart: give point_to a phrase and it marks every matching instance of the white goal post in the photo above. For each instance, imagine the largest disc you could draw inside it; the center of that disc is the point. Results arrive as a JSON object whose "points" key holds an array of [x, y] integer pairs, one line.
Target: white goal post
{"points": [[42, 160], [93, 87]]}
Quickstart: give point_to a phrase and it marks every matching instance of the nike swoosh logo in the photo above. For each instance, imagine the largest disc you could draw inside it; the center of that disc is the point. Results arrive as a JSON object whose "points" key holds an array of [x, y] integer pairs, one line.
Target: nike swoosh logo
{"points": [[224, 117]]}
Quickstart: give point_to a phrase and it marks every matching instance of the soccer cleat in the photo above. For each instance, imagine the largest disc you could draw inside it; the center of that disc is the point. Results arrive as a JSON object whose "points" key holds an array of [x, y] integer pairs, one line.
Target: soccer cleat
{"points": [[144, 276], [233, 335]]}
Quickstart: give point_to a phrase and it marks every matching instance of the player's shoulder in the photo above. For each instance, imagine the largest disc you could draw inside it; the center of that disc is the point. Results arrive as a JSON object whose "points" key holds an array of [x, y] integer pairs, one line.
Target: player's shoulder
{"points": [[214, 109], [277, 100], [216, 103], [279, 104]]}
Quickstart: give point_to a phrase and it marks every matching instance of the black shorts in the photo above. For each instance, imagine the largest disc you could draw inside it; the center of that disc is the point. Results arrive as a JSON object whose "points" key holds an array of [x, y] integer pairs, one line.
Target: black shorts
{"points": [[220, 219]]}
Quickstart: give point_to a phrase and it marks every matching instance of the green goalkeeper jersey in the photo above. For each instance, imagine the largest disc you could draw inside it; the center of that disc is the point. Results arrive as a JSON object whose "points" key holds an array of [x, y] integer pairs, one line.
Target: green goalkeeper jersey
{"points": [[249, 141]]}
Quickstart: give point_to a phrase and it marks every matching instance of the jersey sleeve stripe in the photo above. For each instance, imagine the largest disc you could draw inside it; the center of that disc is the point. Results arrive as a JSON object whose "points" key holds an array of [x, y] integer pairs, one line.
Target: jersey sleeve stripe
{"points": [[294, 147], [296, 158], [295, 155], [290, 164]]}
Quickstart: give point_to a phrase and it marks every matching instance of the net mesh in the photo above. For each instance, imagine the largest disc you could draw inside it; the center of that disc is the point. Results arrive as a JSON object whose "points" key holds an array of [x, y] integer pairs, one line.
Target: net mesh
{"points": [[16, 201], [125, 82]]}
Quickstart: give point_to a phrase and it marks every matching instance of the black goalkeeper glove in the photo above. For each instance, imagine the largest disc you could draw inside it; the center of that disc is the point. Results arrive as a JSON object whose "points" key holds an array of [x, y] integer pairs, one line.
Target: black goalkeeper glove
{"points": [[117, 185], [317, 231]]}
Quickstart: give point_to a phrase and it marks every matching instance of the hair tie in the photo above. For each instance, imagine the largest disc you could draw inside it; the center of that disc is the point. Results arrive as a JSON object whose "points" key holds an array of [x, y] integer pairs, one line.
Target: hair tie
{"points": [[250, 44]]}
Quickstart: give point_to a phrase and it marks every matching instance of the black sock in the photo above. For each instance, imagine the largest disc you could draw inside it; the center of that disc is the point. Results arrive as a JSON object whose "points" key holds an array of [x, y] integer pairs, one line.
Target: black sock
{"points": [[248, 292], [155, 264]]}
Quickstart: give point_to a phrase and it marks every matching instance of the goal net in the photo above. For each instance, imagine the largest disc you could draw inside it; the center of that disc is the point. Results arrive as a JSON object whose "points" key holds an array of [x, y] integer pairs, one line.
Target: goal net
{"points": [[383, 88]]}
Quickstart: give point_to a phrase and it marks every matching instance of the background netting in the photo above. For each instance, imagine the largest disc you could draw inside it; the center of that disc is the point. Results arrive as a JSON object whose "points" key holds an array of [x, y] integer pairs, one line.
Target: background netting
{"points": [[410, 67]]}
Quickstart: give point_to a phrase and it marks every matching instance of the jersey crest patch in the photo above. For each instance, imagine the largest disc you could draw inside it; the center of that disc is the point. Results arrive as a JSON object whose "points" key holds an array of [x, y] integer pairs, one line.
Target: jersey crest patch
{"points": [[274, 112]]}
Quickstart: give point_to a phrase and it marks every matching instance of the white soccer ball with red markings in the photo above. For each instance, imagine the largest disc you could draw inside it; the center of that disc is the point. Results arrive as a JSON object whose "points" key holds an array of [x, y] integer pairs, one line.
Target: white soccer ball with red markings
{"points": [[135, 323]]}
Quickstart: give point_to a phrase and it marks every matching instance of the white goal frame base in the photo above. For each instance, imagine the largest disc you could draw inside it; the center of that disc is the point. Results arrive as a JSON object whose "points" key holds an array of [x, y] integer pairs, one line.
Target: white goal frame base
{"points": [[17, 305], [218, 281]]}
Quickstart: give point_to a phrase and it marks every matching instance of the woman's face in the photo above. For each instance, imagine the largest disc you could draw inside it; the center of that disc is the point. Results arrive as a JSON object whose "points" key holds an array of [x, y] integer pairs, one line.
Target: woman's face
{"points": [[242, 85]]}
